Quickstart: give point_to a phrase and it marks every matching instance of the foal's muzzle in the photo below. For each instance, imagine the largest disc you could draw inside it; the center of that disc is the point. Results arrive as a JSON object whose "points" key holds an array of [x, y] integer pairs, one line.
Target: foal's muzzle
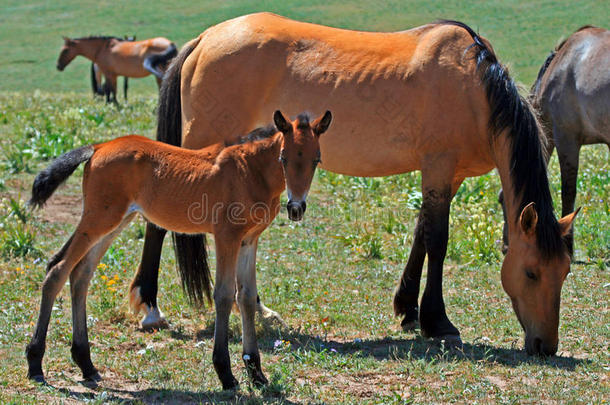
{"points": [[296, 210]]}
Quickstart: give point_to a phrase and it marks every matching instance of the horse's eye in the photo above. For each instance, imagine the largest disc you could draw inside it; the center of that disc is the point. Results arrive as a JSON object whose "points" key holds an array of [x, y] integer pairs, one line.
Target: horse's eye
{"points": [[283, 160], [531, 275]]}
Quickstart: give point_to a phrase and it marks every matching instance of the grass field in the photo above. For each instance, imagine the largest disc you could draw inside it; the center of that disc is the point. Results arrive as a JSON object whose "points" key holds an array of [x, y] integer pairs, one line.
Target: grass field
{"points": [[331, 277]]}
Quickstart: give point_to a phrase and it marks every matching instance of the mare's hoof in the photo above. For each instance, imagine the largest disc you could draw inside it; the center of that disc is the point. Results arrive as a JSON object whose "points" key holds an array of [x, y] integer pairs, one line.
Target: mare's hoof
{"points": [[449, 341], [95, 377], [39, 378], [154, 319], [409, 325], [232, 384]]}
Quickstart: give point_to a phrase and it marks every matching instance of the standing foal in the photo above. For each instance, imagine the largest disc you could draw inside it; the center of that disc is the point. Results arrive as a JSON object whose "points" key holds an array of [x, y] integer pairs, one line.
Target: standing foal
{"points": [[232, 192]]}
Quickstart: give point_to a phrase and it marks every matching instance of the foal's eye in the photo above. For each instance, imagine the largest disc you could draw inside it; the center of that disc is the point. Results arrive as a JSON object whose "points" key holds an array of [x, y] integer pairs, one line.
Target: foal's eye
{"points": [[531, 275]]}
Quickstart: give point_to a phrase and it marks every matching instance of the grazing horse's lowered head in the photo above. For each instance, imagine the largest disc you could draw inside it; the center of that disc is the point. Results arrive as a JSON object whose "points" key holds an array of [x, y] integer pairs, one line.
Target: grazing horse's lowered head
{"points": [[300, 157], [67, 53], [533, 281]]}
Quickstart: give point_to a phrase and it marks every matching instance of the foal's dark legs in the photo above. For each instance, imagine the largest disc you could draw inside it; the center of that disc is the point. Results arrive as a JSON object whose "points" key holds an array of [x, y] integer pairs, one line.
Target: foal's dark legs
{"points": [[407, 292], [144, 287], [435, 210]]}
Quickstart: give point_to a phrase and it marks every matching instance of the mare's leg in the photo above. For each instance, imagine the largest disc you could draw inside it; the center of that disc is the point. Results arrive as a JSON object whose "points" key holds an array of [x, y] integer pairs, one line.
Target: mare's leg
{"points": [[79, 285], [110, 86], [246, 298], [407, 292], [143, 289], [227, 249], [438, 190], [568, 149]]}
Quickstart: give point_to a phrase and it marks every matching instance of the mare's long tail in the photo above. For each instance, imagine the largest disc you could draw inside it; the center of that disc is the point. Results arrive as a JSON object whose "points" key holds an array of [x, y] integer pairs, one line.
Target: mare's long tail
{"points": [[190, 250]]}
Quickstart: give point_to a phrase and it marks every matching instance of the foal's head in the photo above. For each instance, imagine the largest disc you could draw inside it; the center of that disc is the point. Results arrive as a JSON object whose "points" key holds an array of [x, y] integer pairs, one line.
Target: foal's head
{"points": [[67, 53], [300, 155]]}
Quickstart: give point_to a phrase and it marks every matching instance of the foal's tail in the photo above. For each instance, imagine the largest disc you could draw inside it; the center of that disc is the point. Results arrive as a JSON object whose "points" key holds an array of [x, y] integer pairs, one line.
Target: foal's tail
{"points": [[191, 253], [47, 181]]}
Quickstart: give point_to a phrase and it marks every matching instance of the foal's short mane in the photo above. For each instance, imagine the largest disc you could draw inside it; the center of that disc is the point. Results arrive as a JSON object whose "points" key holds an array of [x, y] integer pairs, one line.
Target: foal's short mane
{"points": [[512, 114], [255, 135]]}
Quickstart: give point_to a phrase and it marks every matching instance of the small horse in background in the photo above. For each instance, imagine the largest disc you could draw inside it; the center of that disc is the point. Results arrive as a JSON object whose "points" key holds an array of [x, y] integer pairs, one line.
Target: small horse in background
{"points": [[99, 88], [572, 94], [232, 192], [118, 57]]}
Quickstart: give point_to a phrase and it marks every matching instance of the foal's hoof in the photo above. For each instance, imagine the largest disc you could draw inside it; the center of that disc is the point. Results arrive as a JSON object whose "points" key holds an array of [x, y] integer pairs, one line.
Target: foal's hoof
{"points": [[259, 380], [39, 378]]}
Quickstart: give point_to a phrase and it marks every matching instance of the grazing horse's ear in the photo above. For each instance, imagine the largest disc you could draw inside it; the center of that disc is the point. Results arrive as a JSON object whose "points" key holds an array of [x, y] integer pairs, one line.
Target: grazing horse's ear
{"points": [[529, 219], [566, 223], [281, 123], [321, 124]]}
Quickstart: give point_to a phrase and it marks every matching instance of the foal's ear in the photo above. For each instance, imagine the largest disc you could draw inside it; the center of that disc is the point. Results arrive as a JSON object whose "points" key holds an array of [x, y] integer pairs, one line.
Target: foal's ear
{"points": [[67, 40], [566, 223], [321, 124], [281, 123], [529, 219]]}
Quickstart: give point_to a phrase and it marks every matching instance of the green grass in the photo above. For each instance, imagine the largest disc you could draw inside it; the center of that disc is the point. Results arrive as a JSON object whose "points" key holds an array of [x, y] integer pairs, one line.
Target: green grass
{"points": [[522, 32], [331, 277]]}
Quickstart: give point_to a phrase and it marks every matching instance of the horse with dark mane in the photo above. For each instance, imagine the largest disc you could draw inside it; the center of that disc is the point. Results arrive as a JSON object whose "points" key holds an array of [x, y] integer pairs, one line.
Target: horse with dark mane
{"points": [[99, 88], [118, 57], [232, 192], [434, 98], [572, 94]]}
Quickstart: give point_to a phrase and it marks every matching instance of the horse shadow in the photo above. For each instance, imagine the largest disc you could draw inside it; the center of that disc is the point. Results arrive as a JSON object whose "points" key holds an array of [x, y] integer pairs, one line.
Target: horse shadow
{"points": [[272, 394], [412, 347]]}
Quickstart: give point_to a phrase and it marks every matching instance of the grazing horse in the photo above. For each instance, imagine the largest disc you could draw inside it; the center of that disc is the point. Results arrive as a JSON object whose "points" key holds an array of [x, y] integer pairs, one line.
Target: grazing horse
{"points": [[100, 89], [232, 192], [117, 57], [434, 98]]}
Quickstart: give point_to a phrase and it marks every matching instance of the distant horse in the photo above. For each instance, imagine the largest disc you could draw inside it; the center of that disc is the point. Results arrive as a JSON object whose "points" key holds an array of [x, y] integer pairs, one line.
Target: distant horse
{"points": [[99, 88], [117, 57], [572, 94], [232, 192], [434, 98]]}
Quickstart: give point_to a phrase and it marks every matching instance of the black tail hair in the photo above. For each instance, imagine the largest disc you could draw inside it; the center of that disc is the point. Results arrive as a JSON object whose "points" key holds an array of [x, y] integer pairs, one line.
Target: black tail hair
{"points": [[153, 62], [47, 181], [95, 86], [169, 113], [511, 111], [190, 250]]}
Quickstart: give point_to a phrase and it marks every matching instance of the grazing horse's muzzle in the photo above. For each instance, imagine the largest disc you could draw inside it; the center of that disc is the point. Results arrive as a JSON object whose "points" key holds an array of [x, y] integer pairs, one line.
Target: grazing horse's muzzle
{"points": [[60, 67], [538, 347], [296, 209]]}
